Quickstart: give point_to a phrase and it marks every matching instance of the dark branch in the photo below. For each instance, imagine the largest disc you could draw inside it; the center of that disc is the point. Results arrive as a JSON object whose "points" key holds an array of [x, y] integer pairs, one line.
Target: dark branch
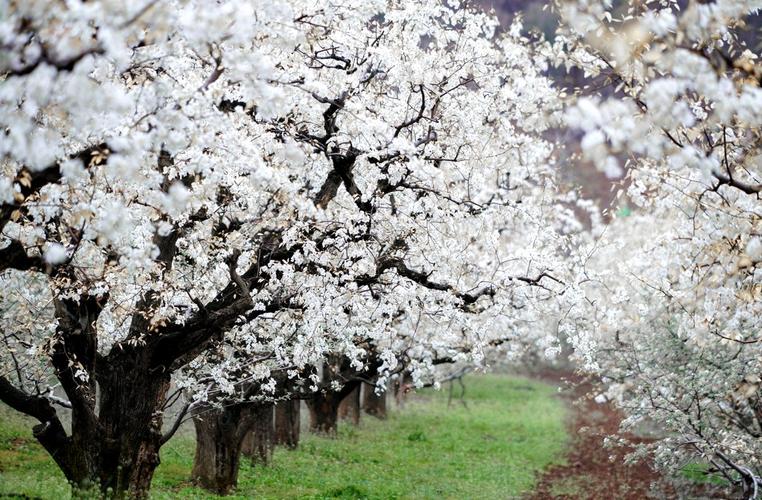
{"points": [[423, 280], [49, 432], [14, 256], [725, 180], [416, 118], [31, 182], [64, 65]]}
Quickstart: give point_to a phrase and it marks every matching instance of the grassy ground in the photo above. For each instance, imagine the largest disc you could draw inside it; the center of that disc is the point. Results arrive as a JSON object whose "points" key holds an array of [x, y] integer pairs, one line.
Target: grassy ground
{"points": [[700, 473], [493, 448]]}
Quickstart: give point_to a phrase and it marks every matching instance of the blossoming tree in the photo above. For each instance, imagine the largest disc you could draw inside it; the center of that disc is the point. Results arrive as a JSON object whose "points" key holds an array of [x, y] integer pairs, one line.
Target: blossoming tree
{"points": [[675, 288], [233, 192]]}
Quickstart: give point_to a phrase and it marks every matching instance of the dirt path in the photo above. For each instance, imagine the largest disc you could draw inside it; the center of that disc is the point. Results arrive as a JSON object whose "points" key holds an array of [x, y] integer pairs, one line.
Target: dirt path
{"points": [[589, 472], [594, 472]]}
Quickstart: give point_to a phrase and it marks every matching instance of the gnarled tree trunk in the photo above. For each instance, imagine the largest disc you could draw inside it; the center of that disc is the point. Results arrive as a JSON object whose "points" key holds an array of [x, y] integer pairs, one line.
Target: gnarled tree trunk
{"points": [[374, 404], [324, 412], [349, 408], [219, 438], [324, 408], [287, 415], [130, 416], [112, 452], [259, 442]]}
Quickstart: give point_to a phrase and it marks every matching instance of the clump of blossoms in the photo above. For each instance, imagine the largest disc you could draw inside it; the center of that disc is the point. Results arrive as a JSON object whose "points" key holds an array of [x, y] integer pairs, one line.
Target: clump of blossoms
{"points": [[674, 290], [238, 189]]}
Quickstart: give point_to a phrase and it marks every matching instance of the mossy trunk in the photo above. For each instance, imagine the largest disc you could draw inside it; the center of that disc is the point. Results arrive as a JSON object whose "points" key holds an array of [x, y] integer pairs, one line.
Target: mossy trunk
{"points": [[117, 456], [131, 417]]}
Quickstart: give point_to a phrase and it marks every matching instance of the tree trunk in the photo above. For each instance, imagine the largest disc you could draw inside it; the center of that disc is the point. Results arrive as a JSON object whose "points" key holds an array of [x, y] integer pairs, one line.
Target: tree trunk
{"points": [[131, 414], [324, 412], [374, 404], [260, 441], [219, 438], [349, 408], [115, 453], [287, 415], [402, 388], [116, 408]]}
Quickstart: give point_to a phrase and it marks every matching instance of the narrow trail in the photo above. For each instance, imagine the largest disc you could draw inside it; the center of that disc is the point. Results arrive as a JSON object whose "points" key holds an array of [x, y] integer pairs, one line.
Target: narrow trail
{"points": [[592, 471], [589, 472]]}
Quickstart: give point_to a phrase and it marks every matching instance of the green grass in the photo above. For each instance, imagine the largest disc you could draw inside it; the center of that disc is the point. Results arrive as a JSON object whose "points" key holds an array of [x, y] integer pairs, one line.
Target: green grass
{"points": [[700, 473], [511, 429]]}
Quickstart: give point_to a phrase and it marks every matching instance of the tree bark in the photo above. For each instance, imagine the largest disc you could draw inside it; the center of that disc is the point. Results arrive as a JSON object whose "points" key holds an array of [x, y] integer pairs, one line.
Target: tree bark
{"points": [[220, 435], [130, 416], [112, 455], [259, 443], [324, 412], [349, 408], [287, 415], [374, 404], [402, 387]]}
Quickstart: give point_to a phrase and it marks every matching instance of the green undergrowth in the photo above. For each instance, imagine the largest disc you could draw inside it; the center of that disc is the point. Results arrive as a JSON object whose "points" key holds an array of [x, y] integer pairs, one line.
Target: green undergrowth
{"points": [[702, 474], [493, 446]]}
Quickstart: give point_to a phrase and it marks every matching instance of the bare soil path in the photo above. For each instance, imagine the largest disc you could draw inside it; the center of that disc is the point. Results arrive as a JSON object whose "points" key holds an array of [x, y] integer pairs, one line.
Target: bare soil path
{"points": [[592, 471]]}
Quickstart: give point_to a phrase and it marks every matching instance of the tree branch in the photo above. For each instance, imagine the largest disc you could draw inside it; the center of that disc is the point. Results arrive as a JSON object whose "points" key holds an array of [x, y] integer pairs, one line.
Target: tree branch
{"points": [[49, 432], [14, 256], [64, 65], [725, 180], [416, 118], [423, 280], [31, 182], [178, 422]]}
